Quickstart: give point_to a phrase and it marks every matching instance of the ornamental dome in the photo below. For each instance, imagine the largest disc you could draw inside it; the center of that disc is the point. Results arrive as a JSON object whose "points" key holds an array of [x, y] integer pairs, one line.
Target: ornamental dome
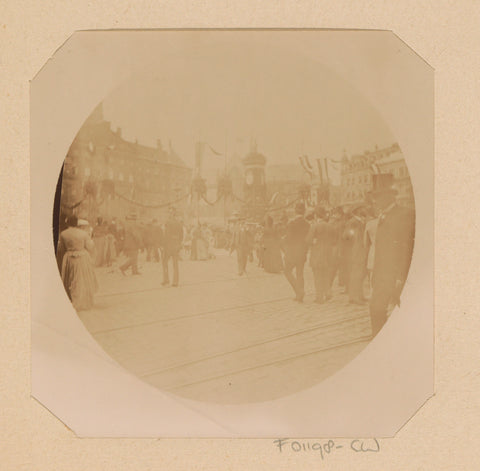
{"points": [[254, 158]]}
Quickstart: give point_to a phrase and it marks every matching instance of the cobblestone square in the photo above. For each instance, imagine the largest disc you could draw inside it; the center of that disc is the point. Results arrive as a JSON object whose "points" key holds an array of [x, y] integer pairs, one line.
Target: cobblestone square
{"points": [[222, 337]]}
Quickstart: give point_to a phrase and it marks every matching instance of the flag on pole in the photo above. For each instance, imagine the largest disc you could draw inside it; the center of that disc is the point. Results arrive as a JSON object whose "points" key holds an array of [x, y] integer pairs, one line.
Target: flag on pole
{"points": [[325, 162], [307, 162], [304, 165], [320, 171]]}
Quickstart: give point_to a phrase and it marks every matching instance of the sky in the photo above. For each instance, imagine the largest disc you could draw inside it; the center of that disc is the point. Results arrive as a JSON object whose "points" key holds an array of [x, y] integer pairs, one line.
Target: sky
{"points": [[229, 94]]}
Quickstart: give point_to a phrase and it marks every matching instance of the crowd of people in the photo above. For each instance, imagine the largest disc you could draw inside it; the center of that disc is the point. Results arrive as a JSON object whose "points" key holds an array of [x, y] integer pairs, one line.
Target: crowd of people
{"points": [[366, 251], [81, 247]]}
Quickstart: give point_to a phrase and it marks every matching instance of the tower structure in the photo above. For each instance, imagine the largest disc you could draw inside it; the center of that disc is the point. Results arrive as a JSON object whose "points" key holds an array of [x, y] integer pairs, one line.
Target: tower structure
{"points": [[255, 189]]}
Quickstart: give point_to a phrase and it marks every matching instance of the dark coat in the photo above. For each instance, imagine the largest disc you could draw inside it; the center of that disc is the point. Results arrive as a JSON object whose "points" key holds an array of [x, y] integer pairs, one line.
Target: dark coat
{"points": [[242, 239], [173, 237], [132, 239], [393, 248], [295, 244], [158, 237], [354, 235], [322, 237]]}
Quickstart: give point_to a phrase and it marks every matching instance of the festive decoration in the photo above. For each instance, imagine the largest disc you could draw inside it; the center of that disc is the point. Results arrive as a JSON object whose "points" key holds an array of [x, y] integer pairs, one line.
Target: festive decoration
{"points": [[307, 167], [199, 186], [155, 206], [73, 206], [224, 187]]}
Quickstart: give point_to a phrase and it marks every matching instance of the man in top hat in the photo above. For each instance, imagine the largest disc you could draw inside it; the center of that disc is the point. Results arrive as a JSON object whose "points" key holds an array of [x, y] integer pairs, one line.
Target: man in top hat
{"points": [[173, 240], [393, 250], [131, 244], [295, 248]]}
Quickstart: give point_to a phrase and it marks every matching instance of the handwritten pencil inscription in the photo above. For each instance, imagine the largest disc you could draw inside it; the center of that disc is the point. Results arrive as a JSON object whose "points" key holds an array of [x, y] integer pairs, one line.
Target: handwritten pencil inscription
{"points": [[370, 445]]}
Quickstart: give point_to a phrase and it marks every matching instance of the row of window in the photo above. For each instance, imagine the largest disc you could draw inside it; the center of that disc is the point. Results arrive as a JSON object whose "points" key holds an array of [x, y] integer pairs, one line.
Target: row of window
{"points": [[352, 195], [359, 179], [399, 172]]}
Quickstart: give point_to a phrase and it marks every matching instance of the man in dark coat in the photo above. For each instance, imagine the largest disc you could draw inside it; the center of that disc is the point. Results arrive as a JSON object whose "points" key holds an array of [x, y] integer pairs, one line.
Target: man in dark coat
{"points": [[132, 242], [354, 233], [337, 221], [322, 238], [393, 252], [242, 242], [295, 248], [151, 241], [158, 237], [173, 240]]}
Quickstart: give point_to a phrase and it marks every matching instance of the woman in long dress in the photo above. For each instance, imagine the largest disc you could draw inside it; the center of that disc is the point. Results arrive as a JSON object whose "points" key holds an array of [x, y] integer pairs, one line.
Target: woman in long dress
{"points": [[110, 252], [74, 254], [202, 244], [99, 237]]}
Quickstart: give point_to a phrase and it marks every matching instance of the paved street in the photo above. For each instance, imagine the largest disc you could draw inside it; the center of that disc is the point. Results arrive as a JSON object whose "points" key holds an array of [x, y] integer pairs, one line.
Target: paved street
{"points": [[221, 337]]}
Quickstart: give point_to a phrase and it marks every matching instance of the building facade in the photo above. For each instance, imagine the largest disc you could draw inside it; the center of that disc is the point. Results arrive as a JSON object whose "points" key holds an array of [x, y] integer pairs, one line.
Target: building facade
{"points": [[105, 175], [357, 171]]}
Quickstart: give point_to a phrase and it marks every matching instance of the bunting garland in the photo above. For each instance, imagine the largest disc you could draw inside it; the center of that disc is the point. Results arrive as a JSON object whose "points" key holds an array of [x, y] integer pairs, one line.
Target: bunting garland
{"points": [[213, 150], [163, 205], [74, 205]]}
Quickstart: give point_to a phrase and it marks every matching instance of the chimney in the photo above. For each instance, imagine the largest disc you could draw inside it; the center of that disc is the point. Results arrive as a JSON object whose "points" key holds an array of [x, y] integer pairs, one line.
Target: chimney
{"points": [[119, 131]]}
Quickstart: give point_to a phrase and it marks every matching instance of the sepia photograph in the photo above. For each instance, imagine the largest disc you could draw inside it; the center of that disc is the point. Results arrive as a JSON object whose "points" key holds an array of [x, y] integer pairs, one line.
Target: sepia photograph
{"points": [[236, 233], [227, 238]]}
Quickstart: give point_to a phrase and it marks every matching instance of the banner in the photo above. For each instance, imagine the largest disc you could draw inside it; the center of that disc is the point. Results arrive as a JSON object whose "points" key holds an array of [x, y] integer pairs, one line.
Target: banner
{"points": [[320, 172]]}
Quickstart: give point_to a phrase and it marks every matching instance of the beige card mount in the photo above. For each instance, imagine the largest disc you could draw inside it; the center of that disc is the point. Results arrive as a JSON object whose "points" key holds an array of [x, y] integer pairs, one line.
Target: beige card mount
{"points": [[137, 119]]}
